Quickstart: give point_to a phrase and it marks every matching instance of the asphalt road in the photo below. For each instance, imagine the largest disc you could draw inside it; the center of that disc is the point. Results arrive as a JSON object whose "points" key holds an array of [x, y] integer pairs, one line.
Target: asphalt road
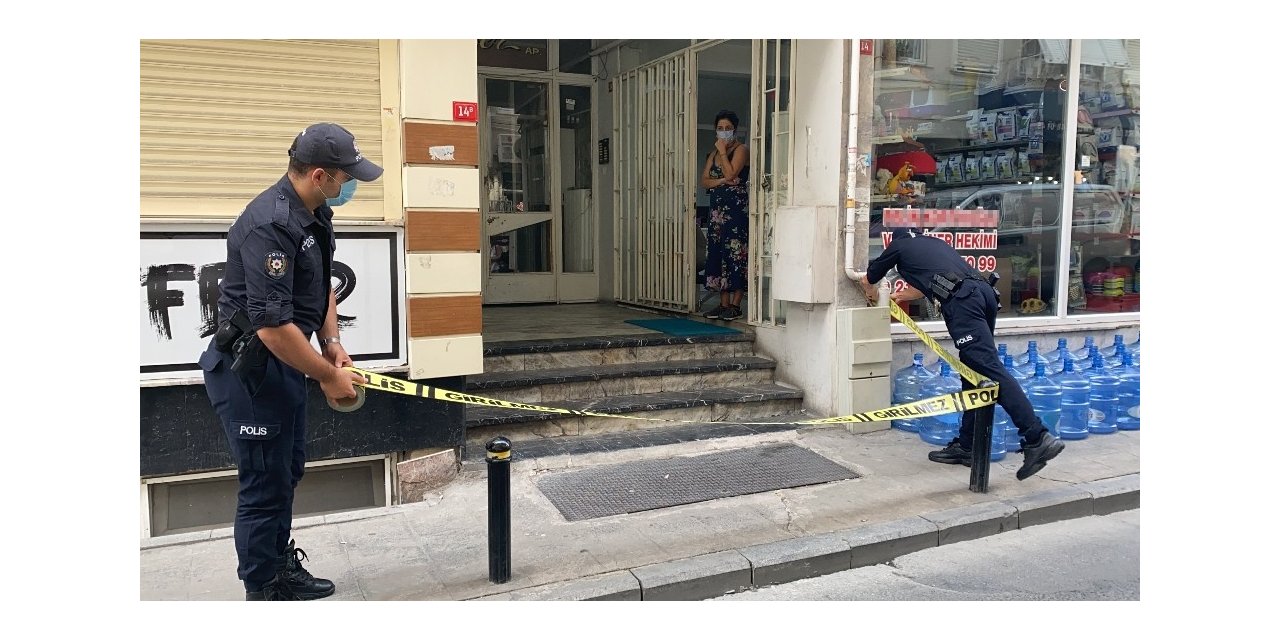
{"points": [[1094, 558]]}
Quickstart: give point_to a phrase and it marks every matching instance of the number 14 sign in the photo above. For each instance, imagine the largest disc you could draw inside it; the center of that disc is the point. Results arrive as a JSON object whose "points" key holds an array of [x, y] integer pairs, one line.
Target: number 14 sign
{"points": [[465, 111]]}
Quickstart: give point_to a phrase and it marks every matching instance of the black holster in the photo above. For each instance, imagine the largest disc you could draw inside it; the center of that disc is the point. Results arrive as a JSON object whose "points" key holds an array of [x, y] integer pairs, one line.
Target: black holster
{"points": [[237, 337], [942, 285]]}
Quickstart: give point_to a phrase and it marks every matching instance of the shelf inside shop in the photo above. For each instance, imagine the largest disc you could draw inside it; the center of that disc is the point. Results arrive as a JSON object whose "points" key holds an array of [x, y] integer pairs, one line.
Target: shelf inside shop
{"points": [[983, 147]]}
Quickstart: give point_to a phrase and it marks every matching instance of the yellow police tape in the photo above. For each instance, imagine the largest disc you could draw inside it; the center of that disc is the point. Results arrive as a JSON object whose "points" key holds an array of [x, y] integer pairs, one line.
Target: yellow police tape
{"points": [[935, 406]]}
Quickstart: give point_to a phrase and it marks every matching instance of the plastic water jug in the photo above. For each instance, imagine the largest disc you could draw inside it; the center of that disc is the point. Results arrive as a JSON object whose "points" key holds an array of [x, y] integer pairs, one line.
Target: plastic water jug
{"points": [[1034, 358], [1074, 423], [1000, 426], [1083, 355], [1116, 361], [1046, 398], [1104, 395], [1055, 357], [1012, 442], [940, 430], [1117, 341], [1127, 407], [906, 389], [1061, 355], [1025, 357]]}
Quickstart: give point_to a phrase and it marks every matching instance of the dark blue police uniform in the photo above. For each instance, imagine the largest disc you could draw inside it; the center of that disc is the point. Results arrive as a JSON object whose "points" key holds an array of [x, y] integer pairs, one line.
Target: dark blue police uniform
{"points": [[279, 256], [970, 316]]}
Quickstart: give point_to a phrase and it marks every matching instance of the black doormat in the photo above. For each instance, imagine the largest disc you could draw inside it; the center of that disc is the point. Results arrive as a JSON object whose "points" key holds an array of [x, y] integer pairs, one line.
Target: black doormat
{"points": [[631, 487]]}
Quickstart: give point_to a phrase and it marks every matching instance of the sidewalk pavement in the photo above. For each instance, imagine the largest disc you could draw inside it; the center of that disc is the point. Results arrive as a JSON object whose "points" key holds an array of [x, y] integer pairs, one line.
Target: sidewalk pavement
{"points": [[438, 549]]}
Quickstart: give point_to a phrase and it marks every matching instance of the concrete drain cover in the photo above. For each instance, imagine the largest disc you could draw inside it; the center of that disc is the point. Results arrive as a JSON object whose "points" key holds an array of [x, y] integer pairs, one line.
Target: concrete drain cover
{"points": [[655, 484]]}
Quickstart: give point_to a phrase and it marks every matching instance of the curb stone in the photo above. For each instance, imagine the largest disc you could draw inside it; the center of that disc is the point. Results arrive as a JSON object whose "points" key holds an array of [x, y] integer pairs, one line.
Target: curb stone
{"points": [[716, 574]]}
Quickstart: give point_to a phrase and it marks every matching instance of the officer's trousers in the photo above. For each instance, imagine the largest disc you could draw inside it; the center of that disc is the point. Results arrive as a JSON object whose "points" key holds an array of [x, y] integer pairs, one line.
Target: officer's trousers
{"points": [[970, 315], [264, 418]]}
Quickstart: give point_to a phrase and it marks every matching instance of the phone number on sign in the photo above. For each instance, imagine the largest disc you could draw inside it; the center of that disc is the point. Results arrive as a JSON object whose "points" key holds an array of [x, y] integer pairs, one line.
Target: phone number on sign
{"points": [[984, 264]]}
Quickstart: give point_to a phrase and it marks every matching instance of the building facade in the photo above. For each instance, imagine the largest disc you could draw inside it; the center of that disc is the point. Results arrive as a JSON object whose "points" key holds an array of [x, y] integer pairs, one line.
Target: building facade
{"points": [[566, 171]]}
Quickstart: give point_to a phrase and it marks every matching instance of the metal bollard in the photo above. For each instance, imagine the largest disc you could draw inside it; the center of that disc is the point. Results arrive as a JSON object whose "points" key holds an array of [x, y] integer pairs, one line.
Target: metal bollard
{"points": [[980, 469], [498, 461]]}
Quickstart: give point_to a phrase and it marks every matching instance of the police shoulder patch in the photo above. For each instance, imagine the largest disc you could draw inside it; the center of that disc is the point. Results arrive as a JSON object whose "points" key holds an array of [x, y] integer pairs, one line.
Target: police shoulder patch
{"points": [[277, 264]]}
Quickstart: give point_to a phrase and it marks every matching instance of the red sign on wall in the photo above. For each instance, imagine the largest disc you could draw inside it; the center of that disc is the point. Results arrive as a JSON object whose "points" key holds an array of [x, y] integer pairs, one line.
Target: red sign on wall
{"points": [[864, 47], [465, 111]]}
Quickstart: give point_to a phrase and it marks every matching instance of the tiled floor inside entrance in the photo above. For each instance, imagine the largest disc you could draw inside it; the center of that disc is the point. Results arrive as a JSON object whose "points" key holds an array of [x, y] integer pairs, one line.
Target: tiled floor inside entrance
{"points": [[503, 323]]}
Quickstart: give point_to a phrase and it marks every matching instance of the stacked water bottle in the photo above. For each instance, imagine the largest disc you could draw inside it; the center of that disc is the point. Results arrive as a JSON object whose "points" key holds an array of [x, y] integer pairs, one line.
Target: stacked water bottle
{"points": [[1089, 391]]}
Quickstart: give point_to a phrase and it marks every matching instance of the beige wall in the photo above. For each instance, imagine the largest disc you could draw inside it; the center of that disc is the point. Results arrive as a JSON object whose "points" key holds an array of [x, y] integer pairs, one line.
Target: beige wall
{"points": [[444, 264]]}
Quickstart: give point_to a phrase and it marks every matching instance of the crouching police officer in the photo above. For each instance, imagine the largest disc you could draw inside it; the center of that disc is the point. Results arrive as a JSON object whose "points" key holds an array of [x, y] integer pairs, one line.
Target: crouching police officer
{"points": [[969, 305], [275, 294]]}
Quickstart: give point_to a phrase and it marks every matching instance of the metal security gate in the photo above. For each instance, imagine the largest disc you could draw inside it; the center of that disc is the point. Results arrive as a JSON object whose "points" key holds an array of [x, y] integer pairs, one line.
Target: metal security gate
{"points": [[772, 70], [654, 186]]}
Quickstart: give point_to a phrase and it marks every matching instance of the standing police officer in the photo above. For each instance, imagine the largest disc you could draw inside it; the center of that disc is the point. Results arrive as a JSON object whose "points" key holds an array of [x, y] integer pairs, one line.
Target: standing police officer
{"points": [[276, 293], [969, 306]]}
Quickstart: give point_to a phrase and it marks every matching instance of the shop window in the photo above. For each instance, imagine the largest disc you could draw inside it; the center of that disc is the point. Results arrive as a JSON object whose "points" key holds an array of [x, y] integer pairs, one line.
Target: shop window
{"points": [[1104, 257], [982, 130]]}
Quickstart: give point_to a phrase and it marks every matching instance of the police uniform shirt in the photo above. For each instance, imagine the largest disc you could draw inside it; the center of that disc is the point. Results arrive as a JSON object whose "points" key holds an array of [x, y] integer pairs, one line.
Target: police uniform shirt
{"points": [[917, 258], [278, 261]]}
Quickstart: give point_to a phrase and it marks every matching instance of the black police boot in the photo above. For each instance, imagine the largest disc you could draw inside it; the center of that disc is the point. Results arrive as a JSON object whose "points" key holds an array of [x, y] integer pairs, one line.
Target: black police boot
{"points": [[1037, 455], [299, 581], [276, 589], [953, 453]]}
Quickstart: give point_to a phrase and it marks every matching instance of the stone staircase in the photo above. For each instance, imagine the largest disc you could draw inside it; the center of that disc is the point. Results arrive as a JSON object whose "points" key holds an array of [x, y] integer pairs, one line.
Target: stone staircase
{"points": [[717, 381]]}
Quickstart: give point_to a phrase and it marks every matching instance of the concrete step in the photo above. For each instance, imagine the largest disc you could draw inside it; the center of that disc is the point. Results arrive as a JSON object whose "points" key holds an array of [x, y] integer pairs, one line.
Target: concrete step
{"points": [[696, 406], [565, 451], [557, 385], [535, 355]]}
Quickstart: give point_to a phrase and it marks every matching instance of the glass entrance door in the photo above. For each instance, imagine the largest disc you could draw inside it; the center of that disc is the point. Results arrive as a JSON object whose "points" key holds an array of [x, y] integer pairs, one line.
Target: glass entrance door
{"points": [[516, 191], [537, 191]]}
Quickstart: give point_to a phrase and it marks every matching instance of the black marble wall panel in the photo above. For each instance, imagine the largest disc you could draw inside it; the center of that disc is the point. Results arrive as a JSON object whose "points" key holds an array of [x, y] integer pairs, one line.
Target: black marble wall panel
{"points": [[180, 433]]}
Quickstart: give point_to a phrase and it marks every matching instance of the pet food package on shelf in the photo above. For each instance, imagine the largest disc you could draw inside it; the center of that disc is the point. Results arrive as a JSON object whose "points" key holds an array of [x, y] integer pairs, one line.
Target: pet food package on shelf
{"points": [[1004, 164], [987, 128], [1026, 115], [972, 172], [1109, 136], [955, 163], [1024, 164], [1111, 97], [943, 175], [1035, 139], [973, 125], [1006, 125], [988, 167]]}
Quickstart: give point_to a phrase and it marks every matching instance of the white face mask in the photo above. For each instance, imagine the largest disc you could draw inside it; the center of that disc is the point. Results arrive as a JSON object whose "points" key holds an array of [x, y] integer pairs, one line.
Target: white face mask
{"points": [[724, 135]]}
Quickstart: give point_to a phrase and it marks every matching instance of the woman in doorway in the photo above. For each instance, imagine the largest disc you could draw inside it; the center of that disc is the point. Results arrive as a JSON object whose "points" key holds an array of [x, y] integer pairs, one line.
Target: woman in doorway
{"points": [[725, 178]]}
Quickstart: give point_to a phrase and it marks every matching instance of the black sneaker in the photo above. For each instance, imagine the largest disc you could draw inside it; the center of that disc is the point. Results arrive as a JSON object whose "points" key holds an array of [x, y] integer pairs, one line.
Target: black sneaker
{"points": [[298, 580], [1038, 455], [953, 453], [274, 590], [731, 313], [714, 314]]}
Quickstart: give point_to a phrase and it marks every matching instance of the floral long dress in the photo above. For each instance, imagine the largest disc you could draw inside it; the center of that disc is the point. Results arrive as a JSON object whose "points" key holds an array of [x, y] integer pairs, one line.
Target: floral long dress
{"points": [[726, 268]]}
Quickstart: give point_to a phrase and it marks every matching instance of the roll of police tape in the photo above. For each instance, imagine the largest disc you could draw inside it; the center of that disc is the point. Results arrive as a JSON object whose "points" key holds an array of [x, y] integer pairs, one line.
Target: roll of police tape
{"points": [[935, 406], [347, 406]]}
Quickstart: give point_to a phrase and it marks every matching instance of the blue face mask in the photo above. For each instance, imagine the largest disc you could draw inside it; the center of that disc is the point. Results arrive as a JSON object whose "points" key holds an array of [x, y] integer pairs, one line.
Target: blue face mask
{"points": [[724, 135], [344, 195]]}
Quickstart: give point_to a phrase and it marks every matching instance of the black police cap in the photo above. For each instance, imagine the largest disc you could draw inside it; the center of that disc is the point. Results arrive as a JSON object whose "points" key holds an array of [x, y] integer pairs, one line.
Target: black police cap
{"points": [[331, 146]]}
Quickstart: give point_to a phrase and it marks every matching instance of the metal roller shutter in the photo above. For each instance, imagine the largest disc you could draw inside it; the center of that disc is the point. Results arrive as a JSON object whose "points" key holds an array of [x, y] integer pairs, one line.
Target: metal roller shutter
{"points": [[217, 118]]}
